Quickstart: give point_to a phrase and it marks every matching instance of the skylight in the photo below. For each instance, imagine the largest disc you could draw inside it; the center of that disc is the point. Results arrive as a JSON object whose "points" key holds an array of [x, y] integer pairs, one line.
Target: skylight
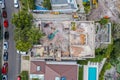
{"points": [[38, 68]]}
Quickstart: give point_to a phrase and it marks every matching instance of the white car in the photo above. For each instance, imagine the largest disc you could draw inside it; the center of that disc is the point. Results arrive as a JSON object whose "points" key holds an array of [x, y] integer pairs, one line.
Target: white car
{"points": [[21, 52], [0, 1], [4, 77], [5, 46], [16, 4], [3, 4]]}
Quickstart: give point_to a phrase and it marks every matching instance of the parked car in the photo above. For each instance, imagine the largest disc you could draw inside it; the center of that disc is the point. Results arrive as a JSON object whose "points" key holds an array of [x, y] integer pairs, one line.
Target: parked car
{"points": [[6, 23], [21, 52], [5, 68], [0, 1], [4, 77], [19, 78], [4, 14], [5, 56], [5, 45], [6, 35], [16, 4], [3, 4]]}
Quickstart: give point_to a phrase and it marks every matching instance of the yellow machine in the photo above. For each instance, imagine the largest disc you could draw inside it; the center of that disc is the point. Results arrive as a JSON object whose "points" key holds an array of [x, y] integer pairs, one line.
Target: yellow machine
{"points": [[56, 13], [95, 3], [75, 15]]}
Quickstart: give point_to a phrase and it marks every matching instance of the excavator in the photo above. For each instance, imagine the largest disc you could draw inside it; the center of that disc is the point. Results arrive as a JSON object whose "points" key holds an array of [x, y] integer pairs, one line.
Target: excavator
{"points": [[52, 35], [95, 3]]}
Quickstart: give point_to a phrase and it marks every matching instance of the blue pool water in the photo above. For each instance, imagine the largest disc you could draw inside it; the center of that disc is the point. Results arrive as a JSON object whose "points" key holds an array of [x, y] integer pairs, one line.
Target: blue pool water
{"points": [[85, 0], [92, 73], [40, 8]]}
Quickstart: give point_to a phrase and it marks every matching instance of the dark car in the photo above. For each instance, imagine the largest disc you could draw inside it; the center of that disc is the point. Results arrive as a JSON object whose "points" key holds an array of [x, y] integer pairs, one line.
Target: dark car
{"points": [[6, 23], [4, 14], [6, 35], [5, 56], [5, 68]]}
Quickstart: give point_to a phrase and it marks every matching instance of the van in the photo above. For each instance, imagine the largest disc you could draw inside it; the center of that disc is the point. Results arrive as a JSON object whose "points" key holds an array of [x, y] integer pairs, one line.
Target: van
{"points": [[16, 5]]}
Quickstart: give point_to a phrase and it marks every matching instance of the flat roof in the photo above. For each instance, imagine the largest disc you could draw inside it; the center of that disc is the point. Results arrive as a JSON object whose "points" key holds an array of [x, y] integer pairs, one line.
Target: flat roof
{"points": [[59, 1], [64, 5]]}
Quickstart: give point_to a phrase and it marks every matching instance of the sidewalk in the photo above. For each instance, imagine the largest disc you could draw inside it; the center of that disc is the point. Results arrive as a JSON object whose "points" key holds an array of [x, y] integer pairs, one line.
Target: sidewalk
{"points": [[48, 16]]}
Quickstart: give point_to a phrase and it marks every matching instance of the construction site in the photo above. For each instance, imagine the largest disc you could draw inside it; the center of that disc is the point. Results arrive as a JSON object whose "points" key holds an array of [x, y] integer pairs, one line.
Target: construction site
{"points": [[65, 40]]}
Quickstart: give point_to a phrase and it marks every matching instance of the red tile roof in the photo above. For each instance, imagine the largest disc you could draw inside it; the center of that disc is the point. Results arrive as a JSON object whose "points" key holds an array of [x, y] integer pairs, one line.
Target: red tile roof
{"points": [[55, 70], [33, 67], [68, 71]]}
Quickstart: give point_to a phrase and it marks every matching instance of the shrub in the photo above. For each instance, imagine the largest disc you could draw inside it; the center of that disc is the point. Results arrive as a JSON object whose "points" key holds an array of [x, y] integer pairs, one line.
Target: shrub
{"points": [[47, 4], [24, 75], [104, 21]]}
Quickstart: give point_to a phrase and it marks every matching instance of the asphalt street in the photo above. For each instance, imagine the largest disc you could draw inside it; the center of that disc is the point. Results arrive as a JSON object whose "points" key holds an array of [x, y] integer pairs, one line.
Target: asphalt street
{"points": [[13, 58]]}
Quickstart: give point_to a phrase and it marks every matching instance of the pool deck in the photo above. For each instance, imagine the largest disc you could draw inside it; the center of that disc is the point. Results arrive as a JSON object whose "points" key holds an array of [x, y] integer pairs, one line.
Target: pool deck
{"points": [[99, 67], [86, 67], [85, 72]]}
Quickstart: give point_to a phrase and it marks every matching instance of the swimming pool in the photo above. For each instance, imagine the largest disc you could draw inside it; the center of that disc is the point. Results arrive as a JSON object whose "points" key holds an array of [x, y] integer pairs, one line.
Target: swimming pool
{"points": [[40, 8], [109, 26], [92, 73]]}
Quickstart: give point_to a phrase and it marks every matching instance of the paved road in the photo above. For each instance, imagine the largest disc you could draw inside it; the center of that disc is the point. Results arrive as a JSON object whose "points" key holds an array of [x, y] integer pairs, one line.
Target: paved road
{"points": [[13, 58]]}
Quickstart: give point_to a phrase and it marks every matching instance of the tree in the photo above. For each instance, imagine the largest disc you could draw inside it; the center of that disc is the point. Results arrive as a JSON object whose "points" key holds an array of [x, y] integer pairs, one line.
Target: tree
{"points": [[116, 49], [115, 54], [22, 20], [116, 30], [34, 35], [47, 4], [104, 21], [86, 6], [25, 34], [23, 46], [31, 4]]}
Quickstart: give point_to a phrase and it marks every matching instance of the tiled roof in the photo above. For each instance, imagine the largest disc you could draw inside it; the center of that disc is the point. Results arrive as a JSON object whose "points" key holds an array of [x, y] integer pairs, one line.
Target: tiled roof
{"points": [[33, 67], [51, 71], [68, 71]]}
